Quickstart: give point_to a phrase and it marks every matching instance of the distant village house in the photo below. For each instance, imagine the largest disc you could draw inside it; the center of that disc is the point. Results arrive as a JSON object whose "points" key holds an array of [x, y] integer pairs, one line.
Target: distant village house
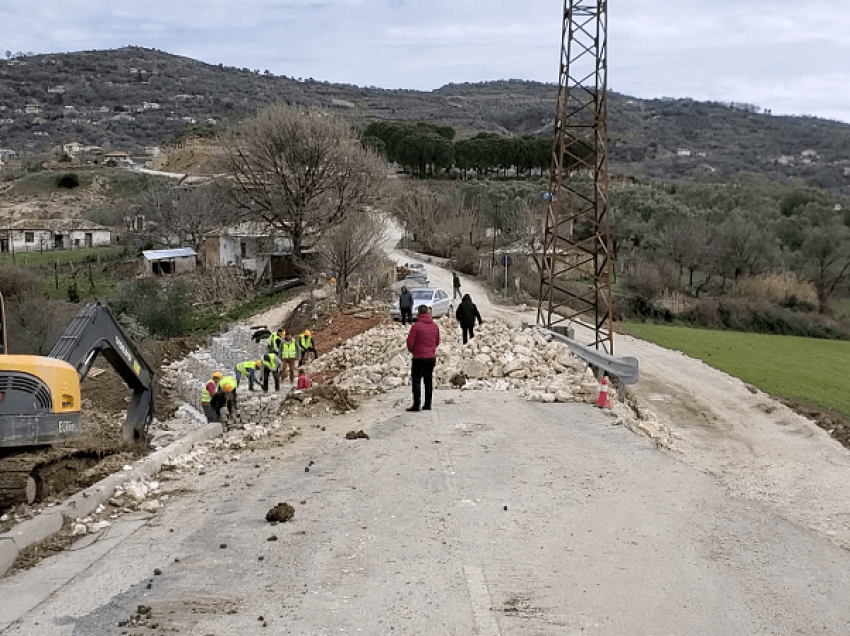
{"points": [[178, 260], [31, 235]]}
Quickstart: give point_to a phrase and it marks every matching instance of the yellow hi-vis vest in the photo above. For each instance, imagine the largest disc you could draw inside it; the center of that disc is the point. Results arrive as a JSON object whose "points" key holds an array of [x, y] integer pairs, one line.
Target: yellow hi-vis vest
{"points": [[273, 342], [306, 341], [288, 349], [270, 362], [206, 398], [245, 367]]}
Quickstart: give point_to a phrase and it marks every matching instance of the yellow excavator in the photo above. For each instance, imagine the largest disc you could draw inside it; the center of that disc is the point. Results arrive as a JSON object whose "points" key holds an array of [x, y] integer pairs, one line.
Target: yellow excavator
{"points": [[40, 400]]}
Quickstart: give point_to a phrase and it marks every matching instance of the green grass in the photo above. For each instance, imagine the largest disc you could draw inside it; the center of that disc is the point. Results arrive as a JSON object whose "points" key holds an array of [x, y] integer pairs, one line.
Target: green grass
{"points": [[46, 181], [809, 370], [207, 321], [104, 286], [75, 256]]}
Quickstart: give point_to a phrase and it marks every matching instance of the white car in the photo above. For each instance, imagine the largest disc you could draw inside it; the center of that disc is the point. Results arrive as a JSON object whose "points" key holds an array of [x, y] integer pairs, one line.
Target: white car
{"points": [[437, 300]]}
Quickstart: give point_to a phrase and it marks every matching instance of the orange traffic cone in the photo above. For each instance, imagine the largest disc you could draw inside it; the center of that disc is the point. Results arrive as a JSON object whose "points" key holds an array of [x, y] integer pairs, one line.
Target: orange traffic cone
{"points": [[602, 399]]}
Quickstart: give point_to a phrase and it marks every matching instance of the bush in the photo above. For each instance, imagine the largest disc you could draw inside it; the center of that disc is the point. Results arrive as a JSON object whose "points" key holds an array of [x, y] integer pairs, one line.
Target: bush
{"points": [[36, 323], [160, 309], [68, 180], [650, 280], [466, 260], [18, 282], [781, 288]]}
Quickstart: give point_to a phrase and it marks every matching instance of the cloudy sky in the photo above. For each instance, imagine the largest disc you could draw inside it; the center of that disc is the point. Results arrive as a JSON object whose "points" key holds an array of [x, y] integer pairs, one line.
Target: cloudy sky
{"points": [[788, 56]]}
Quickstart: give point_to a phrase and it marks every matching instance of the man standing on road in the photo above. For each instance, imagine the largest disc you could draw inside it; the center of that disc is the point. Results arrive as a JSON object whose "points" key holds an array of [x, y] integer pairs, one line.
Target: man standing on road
{"points": [[422, 342], [455, 285], [466, 315], [405, 306]]}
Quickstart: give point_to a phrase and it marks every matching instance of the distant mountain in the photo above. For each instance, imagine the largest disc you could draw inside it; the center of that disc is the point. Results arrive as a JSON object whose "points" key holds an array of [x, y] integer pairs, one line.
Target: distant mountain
{"points": [[135, 96]]}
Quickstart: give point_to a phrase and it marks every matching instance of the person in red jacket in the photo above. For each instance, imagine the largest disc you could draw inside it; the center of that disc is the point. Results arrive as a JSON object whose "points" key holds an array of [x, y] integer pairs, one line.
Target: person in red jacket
{"points": [[422, 342]]}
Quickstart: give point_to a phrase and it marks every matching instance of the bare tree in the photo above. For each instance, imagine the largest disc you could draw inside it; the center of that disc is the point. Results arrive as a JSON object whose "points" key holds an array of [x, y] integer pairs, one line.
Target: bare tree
{"points": [[827, 254], [300, 171], [350, 245], [181, 215]]}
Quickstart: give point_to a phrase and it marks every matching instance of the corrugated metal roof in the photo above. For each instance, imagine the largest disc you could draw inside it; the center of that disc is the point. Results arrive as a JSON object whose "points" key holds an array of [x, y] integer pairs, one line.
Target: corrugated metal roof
{"points": [[161, 255]]}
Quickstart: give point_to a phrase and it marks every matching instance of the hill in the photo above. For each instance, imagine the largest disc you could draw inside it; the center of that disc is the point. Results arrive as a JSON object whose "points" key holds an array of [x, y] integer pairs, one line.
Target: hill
{"points": [[135, 96]]}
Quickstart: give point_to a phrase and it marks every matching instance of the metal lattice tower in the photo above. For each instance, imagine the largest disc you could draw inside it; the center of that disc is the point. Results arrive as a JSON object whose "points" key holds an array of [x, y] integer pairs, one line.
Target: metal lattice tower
{"points": [[575, 269]]}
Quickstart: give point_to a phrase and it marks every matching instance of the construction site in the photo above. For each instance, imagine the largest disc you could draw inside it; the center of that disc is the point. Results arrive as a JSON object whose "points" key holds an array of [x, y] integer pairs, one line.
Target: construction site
{"points": [[567, 478]]}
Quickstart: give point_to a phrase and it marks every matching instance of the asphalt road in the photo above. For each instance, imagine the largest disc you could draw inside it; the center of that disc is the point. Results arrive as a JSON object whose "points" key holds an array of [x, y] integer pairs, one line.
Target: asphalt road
{"points": [[489, 515]]}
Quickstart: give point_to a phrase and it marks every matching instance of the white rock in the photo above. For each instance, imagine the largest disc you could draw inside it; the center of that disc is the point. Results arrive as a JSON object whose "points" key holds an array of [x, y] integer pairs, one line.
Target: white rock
{"points": [[151, 505], [78, 530]]}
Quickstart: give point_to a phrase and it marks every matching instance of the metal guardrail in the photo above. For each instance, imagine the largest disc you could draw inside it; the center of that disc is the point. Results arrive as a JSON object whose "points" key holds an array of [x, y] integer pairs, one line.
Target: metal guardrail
{"points": [[623, 370]]}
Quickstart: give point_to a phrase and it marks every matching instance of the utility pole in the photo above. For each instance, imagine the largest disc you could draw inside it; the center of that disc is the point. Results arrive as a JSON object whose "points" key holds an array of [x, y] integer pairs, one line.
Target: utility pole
{"points": [[575, 269]]}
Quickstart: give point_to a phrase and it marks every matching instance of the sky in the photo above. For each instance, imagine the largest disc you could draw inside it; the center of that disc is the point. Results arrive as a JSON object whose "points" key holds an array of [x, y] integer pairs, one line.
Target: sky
{"points": [[787, 56]]}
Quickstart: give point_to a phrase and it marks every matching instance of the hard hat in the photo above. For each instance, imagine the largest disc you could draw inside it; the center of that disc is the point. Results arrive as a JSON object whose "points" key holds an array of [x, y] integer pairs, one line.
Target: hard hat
{"points": [[228, 384], [258, 363], [307, 332], [217, 374]]}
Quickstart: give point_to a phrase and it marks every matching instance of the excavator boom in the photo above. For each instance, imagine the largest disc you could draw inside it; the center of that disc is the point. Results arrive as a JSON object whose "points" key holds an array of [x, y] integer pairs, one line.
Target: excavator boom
{"points": [[95, 331]]}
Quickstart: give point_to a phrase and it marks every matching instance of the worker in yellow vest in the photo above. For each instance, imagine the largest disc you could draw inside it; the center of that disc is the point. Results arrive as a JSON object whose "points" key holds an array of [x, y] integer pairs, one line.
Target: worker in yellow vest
{"points": [[226, 395], [210, 389], [289, 355], [274, 340], [306, 345], [271, 367], [248, 370]]}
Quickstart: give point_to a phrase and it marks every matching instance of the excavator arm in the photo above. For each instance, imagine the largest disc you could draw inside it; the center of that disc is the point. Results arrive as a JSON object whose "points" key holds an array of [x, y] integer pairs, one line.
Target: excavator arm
{"points": [[95, 331]]}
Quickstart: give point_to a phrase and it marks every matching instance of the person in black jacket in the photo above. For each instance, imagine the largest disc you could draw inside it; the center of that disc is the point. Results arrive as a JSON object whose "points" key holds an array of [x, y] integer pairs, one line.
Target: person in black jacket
{"points": [[405, 306], [466, 315]]}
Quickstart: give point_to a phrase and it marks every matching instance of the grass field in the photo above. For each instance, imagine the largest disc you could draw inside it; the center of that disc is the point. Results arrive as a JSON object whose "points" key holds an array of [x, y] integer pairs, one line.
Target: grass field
{"points": [[808, 370], [76, 256]]}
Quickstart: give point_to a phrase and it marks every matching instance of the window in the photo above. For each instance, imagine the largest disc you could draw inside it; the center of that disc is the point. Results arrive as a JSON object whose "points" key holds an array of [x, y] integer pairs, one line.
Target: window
{"points": [[243, 249], [29, 237]]}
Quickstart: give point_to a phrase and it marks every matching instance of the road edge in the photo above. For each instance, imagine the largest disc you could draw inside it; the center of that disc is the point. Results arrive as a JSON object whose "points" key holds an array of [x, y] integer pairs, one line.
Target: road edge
{"points": [[51, 520]]}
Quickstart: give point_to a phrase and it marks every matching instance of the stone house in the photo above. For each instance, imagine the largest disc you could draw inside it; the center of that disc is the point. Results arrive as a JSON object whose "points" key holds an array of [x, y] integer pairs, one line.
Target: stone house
{"points": [[31, 235]]}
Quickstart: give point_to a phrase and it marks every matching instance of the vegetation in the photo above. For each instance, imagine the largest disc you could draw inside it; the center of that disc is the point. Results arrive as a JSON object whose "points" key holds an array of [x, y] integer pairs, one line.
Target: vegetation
{"points": [[299, 171], [802, 369], [75, 256], [208, 321]]}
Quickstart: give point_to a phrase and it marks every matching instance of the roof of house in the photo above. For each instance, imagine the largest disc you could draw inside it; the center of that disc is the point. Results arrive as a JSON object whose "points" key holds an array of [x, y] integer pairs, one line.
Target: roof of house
{"points": [[162, 255], [58, 225]]}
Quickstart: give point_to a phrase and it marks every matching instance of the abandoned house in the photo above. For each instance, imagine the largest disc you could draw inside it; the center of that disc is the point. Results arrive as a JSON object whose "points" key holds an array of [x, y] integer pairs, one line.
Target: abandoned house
{"points": [[178, 260], [31, 235]]}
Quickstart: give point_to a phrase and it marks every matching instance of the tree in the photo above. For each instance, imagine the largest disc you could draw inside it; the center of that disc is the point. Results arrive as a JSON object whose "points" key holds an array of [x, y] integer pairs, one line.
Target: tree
{"points": [[180, 216], [827, 250], [347, 247], [300, 171]]}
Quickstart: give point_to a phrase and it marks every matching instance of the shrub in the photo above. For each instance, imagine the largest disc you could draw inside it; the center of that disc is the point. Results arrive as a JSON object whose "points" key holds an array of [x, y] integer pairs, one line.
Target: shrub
{"points": [[18, 282], [466, 260], [160, 309], [649, 280], [781, 288], [68, 180]]}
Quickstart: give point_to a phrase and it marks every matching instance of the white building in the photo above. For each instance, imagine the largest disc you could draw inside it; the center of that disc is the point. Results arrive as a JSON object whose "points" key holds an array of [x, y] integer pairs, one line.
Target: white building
{"points": [[30, 235]]}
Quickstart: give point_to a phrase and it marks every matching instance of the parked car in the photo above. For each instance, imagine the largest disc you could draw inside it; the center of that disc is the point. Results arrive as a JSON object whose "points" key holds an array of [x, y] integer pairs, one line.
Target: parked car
{"points": [[437, 300]]}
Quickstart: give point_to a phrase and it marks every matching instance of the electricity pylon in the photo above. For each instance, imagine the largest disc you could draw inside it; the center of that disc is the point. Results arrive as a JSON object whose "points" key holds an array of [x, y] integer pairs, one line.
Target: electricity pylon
{"points": [[575, 269]]}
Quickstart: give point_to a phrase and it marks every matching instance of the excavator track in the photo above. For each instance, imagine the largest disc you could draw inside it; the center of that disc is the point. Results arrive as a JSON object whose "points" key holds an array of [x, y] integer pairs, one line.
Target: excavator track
{"points": [[35, 475]]}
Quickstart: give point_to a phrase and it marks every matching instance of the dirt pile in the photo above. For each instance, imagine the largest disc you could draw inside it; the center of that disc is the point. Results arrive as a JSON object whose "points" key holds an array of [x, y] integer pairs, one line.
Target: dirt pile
{"points": [[281, 513]]}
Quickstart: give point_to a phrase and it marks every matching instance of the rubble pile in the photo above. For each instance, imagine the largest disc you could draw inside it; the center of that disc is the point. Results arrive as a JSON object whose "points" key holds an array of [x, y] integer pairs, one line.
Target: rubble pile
{"points": [[499, 357]]}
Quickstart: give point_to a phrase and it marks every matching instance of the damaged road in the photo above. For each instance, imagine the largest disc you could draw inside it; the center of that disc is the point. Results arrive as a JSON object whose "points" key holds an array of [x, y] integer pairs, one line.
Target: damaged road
{"points": [[490, 514]]}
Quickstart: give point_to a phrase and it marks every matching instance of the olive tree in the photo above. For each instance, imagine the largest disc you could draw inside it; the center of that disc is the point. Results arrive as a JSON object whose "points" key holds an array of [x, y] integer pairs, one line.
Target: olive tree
{"points": [[300, 171]]}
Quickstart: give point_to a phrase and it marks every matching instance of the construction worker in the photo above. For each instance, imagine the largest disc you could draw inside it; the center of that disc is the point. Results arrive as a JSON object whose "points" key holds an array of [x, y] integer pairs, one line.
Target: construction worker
{"points": [[289, 354], [226, 394], [274, 340], [271, 367], [210, 389], [306, 345], [248, 370]]}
